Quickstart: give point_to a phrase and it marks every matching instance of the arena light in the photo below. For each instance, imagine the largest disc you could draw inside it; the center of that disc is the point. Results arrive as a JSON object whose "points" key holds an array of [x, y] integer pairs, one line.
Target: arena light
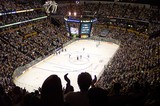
{"points": [[69, 13], [75, 13]]}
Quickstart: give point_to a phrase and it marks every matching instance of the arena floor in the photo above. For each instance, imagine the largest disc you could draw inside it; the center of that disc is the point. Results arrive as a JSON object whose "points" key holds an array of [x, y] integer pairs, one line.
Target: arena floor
{"points": [[79, 56]]}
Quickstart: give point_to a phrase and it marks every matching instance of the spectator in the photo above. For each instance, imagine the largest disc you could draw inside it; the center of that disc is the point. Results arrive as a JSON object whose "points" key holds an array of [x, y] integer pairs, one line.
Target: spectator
{"points": [[98, 97], [80, 98], [69, 87], [51, 92]]}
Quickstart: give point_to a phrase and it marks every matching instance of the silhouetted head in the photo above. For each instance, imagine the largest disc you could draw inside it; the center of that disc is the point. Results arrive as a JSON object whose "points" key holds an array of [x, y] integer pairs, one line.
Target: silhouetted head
{"points": [[16, 90], [1, 90], [30, 100], [97, 96], [51, 93], [84, 81], [117, 86], [136, 85]]}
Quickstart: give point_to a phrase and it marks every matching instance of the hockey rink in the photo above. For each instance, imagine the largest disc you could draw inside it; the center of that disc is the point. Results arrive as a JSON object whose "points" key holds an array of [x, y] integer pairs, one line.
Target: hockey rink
{"points": [[79, 56]]}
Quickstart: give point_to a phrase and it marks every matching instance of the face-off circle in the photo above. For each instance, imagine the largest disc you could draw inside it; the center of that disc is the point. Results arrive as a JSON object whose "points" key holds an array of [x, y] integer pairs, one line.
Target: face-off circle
{"points": [[79, 59]]}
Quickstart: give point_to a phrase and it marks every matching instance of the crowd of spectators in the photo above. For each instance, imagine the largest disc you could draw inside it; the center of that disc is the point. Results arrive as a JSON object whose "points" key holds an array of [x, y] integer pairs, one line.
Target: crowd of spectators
{"points": [[13, 18], [13, 5], [132, 78], [143, 18], [136, 54]]}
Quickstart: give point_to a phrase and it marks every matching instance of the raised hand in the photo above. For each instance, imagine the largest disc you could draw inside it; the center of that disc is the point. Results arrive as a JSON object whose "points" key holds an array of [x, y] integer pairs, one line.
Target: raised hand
{"points": [[66, 78]]}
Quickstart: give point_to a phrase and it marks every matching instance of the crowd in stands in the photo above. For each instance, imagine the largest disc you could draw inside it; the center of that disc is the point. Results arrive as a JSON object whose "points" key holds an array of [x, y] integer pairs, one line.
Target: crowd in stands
{"points": [[52, 94], [143, 19], [132, 78], [13, 18], [13, 5]]}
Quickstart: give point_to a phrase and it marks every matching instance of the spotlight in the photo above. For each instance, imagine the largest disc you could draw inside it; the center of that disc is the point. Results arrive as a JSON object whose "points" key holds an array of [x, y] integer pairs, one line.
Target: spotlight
{"points": [[75, 13], [69, 13]]}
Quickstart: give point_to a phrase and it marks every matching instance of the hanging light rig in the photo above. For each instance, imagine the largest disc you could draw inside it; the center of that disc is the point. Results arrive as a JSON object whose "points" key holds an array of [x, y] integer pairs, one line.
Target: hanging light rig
{"points": [[73, 10], [50, 6]]}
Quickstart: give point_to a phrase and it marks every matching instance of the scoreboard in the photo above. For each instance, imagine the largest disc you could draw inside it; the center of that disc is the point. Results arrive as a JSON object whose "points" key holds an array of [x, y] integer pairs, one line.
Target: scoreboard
{"points": [[81, 28], [85, 30]]}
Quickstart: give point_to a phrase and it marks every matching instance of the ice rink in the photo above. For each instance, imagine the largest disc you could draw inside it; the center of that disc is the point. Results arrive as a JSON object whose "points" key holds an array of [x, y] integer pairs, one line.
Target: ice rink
{"points": [[79, 56]]}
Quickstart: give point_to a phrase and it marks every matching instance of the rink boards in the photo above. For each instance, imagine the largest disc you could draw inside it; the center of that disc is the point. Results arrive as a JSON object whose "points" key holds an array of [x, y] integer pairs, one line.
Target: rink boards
{"points": [[80, 56]]}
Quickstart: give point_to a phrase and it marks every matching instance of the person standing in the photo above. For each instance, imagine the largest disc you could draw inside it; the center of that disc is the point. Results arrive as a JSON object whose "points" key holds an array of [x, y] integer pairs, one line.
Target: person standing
{"points": [[80, 98], [51, 92]]}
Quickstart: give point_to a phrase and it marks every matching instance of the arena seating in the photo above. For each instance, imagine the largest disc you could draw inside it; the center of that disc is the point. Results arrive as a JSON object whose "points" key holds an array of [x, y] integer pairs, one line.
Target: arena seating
{"points": [[131, 79]]}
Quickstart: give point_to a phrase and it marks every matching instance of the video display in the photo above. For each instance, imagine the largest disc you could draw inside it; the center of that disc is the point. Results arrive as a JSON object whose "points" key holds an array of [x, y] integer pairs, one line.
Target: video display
{"points": [[78, 29], [85, 28], [74, 29]]}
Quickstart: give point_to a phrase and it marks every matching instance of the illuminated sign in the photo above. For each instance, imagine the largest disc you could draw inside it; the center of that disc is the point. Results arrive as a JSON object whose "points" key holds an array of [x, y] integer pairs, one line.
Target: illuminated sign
{"points": [[85, 28]]}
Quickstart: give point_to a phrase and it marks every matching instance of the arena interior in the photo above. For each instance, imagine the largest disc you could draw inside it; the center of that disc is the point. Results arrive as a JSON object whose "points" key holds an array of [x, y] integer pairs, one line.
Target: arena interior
{"points": [[33, 30]]}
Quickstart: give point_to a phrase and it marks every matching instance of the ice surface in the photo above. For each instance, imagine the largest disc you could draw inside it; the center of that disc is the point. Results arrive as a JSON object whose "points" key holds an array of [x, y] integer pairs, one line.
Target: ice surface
{"points": [[92, 56]]}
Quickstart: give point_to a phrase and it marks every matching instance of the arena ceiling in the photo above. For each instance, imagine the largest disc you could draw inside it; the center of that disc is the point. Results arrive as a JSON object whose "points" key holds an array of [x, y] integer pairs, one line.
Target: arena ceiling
{"points": [[152, 2]]}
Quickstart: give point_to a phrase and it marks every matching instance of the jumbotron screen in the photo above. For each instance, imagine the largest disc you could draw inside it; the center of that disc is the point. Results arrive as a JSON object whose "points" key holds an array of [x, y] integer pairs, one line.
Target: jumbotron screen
{"points": [[85, 28], [74, 29]]}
